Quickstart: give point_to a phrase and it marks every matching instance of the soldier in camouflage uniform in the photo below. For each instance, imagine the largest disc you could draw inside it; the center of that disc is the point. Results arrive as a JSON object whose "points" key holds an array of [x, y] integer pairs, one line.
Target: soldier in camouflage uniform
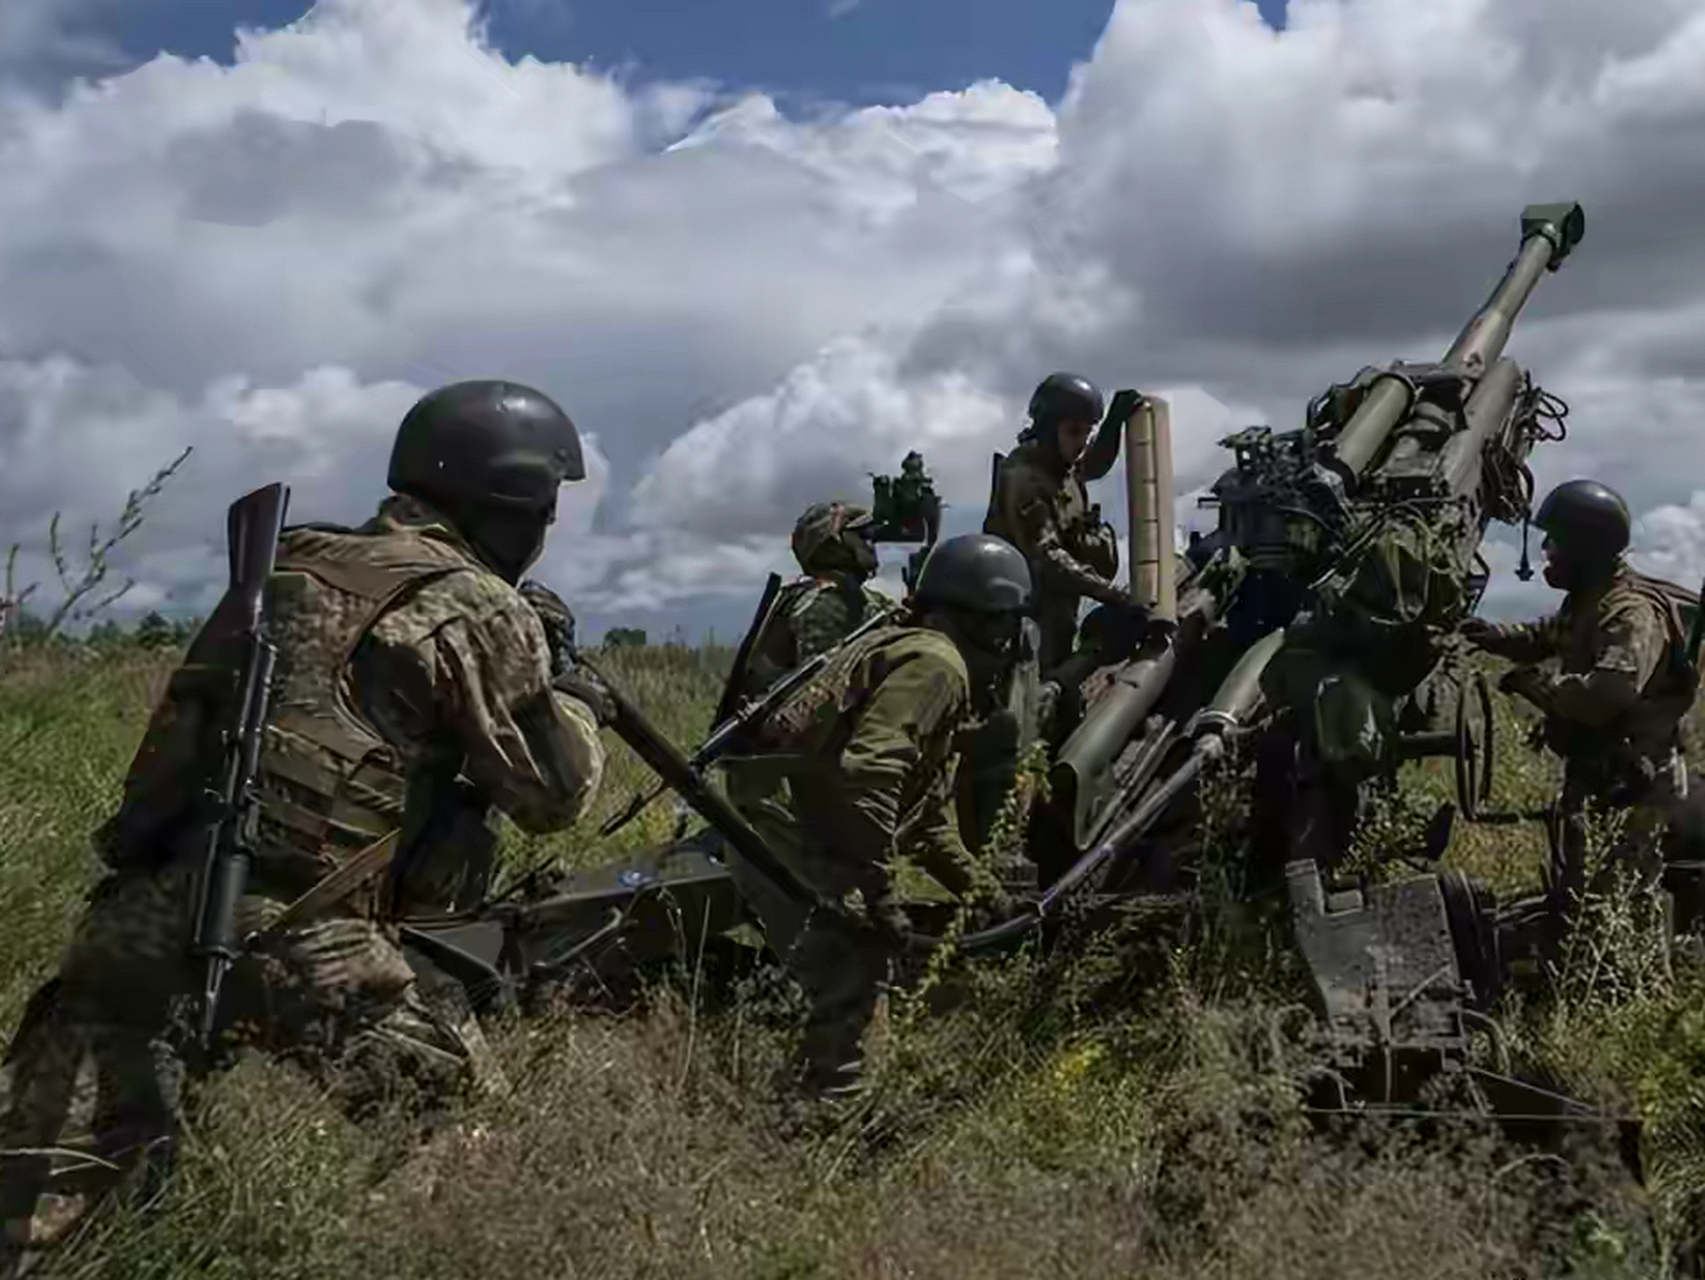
{"points": [[868, 752], [1040, 505], [810, 615], [1614, 706], [414, 693], [830, 600]]}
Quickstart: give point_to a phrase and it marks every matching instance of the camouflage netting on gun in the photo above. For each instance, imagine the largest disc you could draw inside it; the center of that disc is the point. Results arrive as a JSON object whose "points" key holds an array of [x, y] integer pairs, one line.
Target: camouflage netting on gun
{"points": [[1407, 578]]}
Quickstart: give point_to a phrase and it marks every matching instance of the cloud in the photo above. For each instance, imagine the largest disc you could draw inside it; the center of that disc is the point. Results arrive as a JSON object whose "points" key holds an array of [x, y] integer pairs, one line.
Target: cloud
{"points": [[752, 310], [1672, 541], [81, 438]]}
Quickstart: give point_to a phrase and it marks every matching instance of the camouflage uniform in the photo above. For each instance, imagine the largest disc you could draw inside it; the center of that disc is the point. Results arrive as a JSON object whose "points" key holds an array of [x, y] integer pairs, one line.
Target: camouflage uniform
{"points": [[811, 615], [1042, 508], [1613, 711], [413, 693], [869, 756]]}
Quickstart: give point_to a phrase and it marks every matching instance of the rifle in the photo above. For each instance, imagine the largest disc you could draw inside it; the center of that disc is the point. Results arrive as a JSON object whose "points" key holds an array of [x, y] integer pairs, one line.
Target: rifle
{"points": [[751, 711], [679, 774], [253, 524]]}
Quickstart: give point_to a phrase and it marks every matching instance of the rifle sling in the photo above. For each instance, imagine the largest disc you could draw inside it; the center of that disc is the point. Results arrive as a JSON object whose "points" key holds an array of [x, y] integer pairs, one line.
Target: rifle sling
{"points": [[334, 887]]}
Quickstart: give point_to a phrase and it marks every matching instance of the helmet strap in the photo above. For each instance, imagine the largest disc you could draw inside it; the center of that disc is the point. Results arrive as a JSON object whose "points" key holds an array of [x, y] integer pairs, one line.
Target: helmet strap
{"points": [[1524, 570]]}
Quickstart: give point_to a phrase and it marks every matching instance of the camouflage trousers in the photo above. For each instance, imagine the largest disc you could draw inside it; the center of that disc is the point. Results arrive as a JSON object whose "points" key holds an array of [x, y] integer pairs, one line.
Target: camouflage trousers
{"points": [[843, 967], [333, 995], [1585, 802]]}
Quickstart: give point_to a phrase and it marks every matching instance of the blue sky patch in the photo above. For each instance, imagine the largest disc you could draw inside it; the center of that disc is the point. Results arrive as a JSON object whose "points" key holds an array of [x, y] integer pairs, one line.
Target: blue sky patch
{"points": [[801, 51]]}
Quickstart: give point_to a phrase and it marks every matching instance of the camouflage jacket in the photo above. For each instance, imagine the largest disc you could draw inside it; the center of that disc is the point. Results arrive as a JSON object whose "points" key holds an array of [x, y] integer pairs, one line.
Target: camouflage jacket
{"points": [[872, 755], [1622, 678], [413, 692], [1045, 513], [810, 615]]}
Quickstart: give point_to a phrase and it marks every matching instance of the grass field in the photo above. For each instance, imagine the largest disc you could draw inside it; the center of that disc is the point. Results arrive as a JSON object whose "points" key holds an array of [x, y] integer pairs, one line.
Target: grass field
{"points": [[1123, 1107]]}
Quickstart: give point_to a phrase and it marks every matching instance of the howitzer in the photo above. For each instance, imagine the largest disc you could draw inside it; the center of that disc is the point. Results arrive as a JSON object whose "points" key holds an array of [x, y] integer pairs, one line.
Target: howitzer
{"points": [[1359, 534], [253, 525]]}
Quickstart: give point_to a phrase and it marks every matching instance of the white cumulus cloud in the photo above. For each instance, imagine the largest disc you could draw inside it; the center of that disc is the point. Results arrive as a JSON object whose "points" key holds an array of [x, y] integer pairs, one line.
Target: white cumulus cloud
{"points": [[753, 311]]}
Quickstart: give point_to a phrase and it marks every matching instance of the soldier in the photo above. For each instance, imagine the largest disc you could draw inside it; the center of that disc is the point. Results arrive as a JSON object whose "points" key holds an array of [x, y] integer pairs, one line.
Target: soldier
{"points": [[1613, 708], [1041, 506], [414, 693], [816, 611], [810, 615], [870, 763]]}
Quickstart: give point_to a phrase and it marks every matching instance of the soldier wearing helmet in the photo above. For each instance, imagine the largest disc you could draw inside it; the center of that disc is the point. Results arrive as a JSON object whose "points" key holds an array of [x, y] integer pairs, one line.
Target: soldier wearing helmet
{"points": [[1040, 505], [868, 751], [1623, 681], [831, 598], [415, 697]]}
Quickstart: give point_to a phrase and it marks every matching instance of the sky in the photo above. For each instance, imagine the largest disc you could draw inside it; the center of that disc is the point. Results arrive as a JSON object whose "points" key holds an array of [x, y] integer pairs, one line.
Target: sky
{"points": [[756, 270], [804, 52]]}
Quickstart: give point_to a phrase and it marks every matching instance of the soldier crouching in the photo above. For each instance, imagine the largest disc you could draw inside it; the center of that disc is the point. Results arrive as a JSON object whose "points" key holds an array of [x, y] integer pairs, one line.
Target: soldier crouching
{"points": [[413, 694], [869, 754]]}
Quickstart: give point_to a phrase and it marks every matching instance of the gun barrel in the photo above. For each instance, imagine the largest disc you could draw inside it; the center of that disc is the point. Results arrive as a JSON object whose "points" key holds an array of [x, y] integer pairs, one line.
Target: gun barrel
{"points": [[1549, 232], [1486, 411]]}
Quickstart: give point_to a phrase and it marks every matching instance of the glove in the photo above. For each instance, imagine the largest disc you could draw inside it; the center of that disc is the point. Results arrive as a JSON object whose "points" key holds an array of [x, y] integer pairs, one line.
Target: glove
{"points": [[555, 617], [1125, 403], [581, 687], [1477, 631]]}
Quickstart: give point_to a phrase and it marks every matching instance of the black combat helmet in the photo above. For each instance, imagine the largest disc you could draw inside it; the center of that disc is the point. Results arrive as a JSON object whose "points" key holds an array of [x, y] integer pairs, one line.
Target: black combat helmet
{"points": [[976, 572], [1062, 397], [486, 444], [1586, 519]]}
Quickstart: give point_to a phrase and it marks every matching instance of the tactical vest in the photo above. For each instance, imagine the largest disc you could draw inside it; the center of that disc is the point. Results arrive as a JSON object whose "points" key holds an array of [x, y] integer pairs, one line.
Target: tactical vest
{"points": [[329, 783], [817, 720], [775, 652]]}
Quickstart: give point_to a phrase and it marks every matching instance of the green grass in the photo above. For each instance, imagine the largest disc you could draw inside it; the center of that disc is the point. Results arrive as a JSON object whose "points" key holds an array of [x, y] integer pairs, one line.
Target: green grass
{"points": [[1123, 1107]]}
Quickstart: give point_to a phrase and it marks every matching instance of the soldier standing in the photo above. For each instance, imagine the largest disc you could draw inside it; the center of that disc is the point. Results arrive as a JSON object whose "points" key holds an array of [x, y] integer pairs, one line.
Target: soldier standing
{"points": [[414, 693], [1624, 681], [870, 758], [1040, 505]]}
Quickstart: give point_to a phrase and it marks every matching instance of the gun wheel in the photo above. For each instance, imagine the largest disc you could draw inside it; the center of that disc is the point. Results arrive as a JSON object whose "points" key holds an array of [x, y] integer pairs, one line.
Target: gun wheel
{"points": [[1475, 740]]}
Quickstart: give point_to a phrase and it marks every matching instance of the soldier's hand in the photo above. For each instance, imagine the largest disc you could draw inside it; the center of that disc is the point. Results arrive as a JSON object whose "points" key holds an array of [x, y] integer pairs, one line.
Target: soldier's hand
{"points": [[1477, 631], [1523, 682], [582, 687], [1125, 403]]}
